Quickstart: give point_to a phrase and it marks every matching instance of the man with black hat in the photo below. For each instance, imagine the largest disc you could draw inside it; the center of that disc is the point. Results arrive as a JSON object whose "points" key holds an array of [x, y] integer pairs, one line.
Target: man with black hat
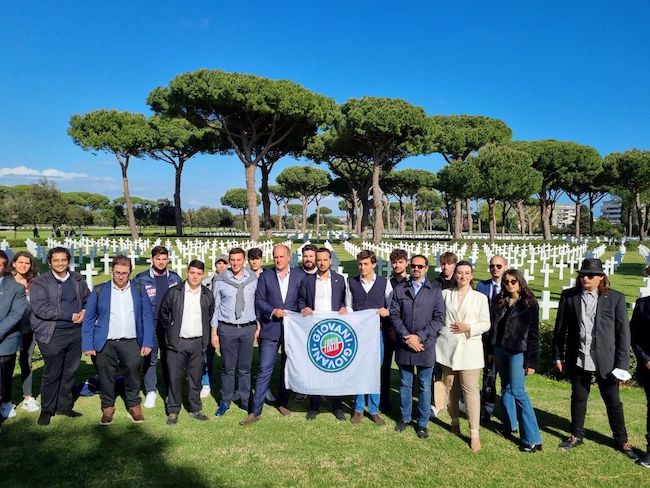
{"points": [[592, 338]]}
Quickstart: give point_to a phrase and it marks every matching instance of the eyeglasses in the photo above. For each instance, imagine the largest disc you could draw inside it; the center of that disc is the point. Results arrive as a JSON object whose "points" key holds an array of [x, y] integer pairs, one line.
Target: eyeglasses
{"points": [[510, 282], [497, 266], [588, 275], [121, 273], [418, 266]]}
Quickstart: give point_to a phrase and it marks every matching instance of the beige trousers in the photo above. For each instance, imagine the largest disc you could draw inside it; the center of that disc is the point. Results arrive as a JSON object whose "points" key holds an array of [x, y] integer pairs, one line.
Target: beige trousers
{"points": [[468, 381]]}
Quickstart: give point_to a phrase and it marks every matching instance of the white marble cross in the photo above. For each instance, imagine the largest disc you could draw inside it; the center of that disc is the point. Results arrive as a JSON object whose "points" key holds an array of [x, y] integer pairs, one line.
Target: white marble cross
{"points": [[88, 273], [546, 271], [107, 263], [546, 304]]}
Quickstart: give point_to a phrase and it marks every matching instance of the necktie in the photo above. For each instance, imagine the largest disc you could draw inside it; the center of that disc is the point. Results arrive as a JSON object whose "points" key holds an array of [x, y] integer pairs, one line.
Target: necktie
{"points": [[494, 293]]}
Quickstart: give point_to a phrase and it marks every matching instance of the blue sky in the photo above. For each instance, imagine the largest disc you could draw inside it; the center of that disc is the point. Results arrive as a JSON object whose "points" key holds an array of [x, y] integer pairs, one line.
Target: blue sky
{"points": [[574, 70]]}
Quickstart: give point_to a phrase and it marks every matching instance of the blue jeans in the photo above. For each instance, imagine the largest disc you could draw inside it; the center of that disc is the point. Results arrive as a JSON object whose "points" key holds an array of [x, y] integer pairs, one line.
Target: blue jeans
{"points": [[373, 398], [208, 361], [510, 366], [424, 375]]}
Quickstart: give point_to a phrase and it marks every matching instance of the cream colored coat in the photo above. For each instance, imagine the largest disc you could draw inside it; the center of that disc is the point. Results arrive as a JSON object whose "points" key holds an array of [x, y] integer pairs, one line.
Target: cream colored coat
{"points": [[463, 351]]}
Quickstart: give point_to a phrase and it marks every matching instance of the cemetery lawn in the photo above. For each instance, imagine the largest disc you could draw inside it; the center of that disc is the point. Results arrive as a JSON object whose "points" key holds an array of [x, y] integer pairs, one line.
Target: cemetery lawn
{"points": [[290, 451]]}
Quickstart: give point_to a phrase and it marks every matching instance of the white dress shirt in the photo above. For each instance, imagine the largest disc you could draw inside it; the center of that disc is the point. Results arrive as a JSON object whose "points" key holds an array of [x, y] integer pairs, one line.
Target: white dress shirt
{"points": [[191, 323], [323, 293], [121, 324]]}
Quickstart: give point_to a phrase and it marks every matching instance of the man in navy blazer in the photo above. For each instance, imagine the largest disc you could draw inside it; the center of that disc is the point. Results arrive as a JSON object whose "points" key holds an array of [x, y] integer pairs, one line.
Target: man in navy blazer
{"points": [[118, 330], [277, 292], [12, 308], [324, 291]]}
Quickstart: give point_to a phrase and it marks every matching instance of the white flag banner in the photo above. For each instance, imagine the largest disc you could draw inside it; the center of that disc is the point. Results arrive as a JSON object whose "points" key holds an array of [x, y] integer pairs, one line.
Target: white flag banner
{"points": [[331, 354]]}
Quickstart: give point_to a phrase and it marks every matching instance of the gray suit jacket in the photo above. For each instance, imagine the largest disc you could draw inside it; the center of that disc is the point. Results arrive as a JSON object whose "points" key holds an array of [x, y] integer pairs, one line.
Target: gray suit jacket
{"points": [[12, 306]]}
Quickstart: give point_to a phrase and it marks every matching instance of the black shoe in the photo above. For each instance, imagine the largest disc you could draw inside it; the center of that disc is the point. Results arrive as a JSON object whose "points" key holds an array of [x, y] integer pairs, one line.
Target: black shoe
{"points": [[422, 432], [172, 419], [199, 416], [311, 415], [401, 426], [44, 418], [629, 451], [645, 460], [570, 443], [338, 413], [69, 413], [530, 448]]}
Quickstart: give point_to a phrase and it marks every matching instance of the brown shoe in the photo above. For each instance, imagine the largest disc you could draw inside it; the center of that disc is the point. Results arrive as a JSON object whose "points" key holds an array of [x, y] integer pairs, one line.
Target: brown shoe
{"points": [[376, 418], [135, 412], [357, 418], [284, 411], [107, 415], [251, 419]]}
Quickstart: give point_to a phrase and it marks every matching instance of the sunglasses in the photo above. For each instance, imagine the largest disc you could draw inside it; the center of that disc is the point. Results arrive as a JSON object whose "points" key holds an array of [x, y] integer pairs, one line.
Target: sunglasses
{"points": [[588, 275], [418, 266], [510, 282], [497, 266]]}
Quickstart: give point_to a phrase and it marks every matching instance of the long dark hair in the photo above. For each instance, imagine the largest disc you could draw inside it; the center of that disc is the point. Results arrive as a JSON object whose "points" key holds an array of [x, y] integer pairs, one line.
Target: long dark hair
{"points": [[525, 292], [32, 272], [603, 286]]}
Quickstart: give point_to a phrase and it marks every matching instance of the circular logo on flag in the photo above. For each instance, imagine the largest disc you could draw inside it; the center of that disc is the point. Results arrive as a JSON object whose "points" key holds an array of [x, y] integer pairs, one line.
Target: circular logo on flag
{"points": [[332, 345]]}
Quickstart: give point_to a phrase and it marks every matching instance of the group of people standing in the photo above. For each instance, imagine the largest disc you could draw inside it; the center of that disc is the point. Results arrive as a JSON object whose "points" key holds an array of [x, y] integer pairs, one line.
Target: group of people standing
{"points": [[441, 332]]}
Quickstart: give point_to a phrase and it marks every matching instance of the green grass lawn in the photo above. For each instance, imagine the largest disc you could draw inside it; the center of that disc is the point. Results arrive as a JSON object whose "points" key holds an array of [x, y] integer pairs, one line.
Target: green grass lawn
{"points": [[291, 451]]}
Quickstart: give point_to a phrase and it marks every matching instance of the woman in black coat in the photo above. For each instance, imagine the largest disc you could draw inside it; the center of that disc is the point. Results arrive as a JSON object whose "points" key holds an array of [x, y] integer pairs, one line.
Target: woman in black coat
{"points": [[515, 340]]}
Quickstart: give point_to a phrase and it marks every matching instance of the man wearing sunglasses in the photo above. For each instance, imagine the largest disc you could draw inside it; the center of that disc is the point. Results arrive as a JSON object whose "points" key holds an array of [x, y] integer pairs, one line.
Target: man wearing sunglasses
{"points": [[592, 338], [491, 288]]}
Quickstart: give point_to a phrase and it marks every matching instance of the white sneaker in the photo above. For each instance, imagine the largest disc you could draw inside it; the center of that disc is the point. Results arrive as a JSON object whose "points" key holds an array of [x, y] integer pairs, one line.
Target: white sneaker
{"points": [[205, 391], [8, 410], [31, 405], [150, 399], [434, 412]]}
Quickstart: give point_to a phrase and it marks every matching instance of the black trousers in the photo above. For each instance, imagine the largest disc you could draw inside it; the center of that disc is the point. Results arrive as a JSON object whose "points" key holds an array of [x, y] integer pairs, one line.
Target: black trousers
{"points": [[580, 387], [25, 361], [643, 374], [188, 359], [7, 365], [488, 390], [116, 353], [61, 356], [386, 368], [316, 400], [236, 345]]}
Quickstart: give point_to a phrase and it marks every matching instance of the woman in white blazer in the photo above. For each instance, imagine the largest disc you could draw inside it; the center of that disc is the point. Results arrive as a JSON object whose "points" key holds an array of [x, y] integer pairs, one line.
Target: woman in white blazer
{"points": [[459, 348]]}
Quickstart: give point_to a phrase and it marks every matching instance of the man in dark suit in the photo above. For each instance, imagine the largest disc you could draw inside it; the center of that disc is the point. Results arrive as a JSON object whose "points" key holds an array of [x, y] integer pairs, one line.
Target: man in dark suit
{"points": [[277, 291], [491, 289], [417, 312], [184, 318], [640, 331], [323, 291], [592, 338], [118, 330], [58, 300], [12, 306]]}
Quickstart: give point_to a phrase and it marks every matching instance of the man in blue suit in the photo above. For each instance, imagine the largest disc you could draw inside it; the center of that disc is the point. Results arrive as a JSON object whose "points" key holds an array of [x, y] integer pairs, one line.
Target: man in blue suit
{"points": [[12, 307], [277, 292], [118, 330], [323, 291], [491, 288]]}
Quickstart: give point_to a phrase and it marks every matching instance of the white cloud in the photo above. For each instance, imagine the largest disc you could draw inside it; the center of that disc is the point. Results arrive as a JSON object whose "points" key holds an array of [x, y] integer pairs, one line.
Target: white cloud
{"points": [[55, 174]]}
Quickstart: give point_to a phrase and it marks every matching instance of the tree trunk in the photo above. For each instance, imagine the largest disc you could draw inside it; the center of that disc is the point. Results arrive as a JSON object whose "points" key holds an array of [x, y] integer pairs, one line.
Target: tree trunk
{"points": [[266, 200], [639, 216], [492, 219], [279, 214], [365, 217], [478, 213], [251, 197], [303, 225], [317, 218], [178, 213], [244, 217], [388, 212], [376, 196], [129, 204], [591, 214], [504, 217], [402, 217], [415, 216], [577, 221], [359, 222], [458, 218], [522, 217], [470, 220], [545, 210]]}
